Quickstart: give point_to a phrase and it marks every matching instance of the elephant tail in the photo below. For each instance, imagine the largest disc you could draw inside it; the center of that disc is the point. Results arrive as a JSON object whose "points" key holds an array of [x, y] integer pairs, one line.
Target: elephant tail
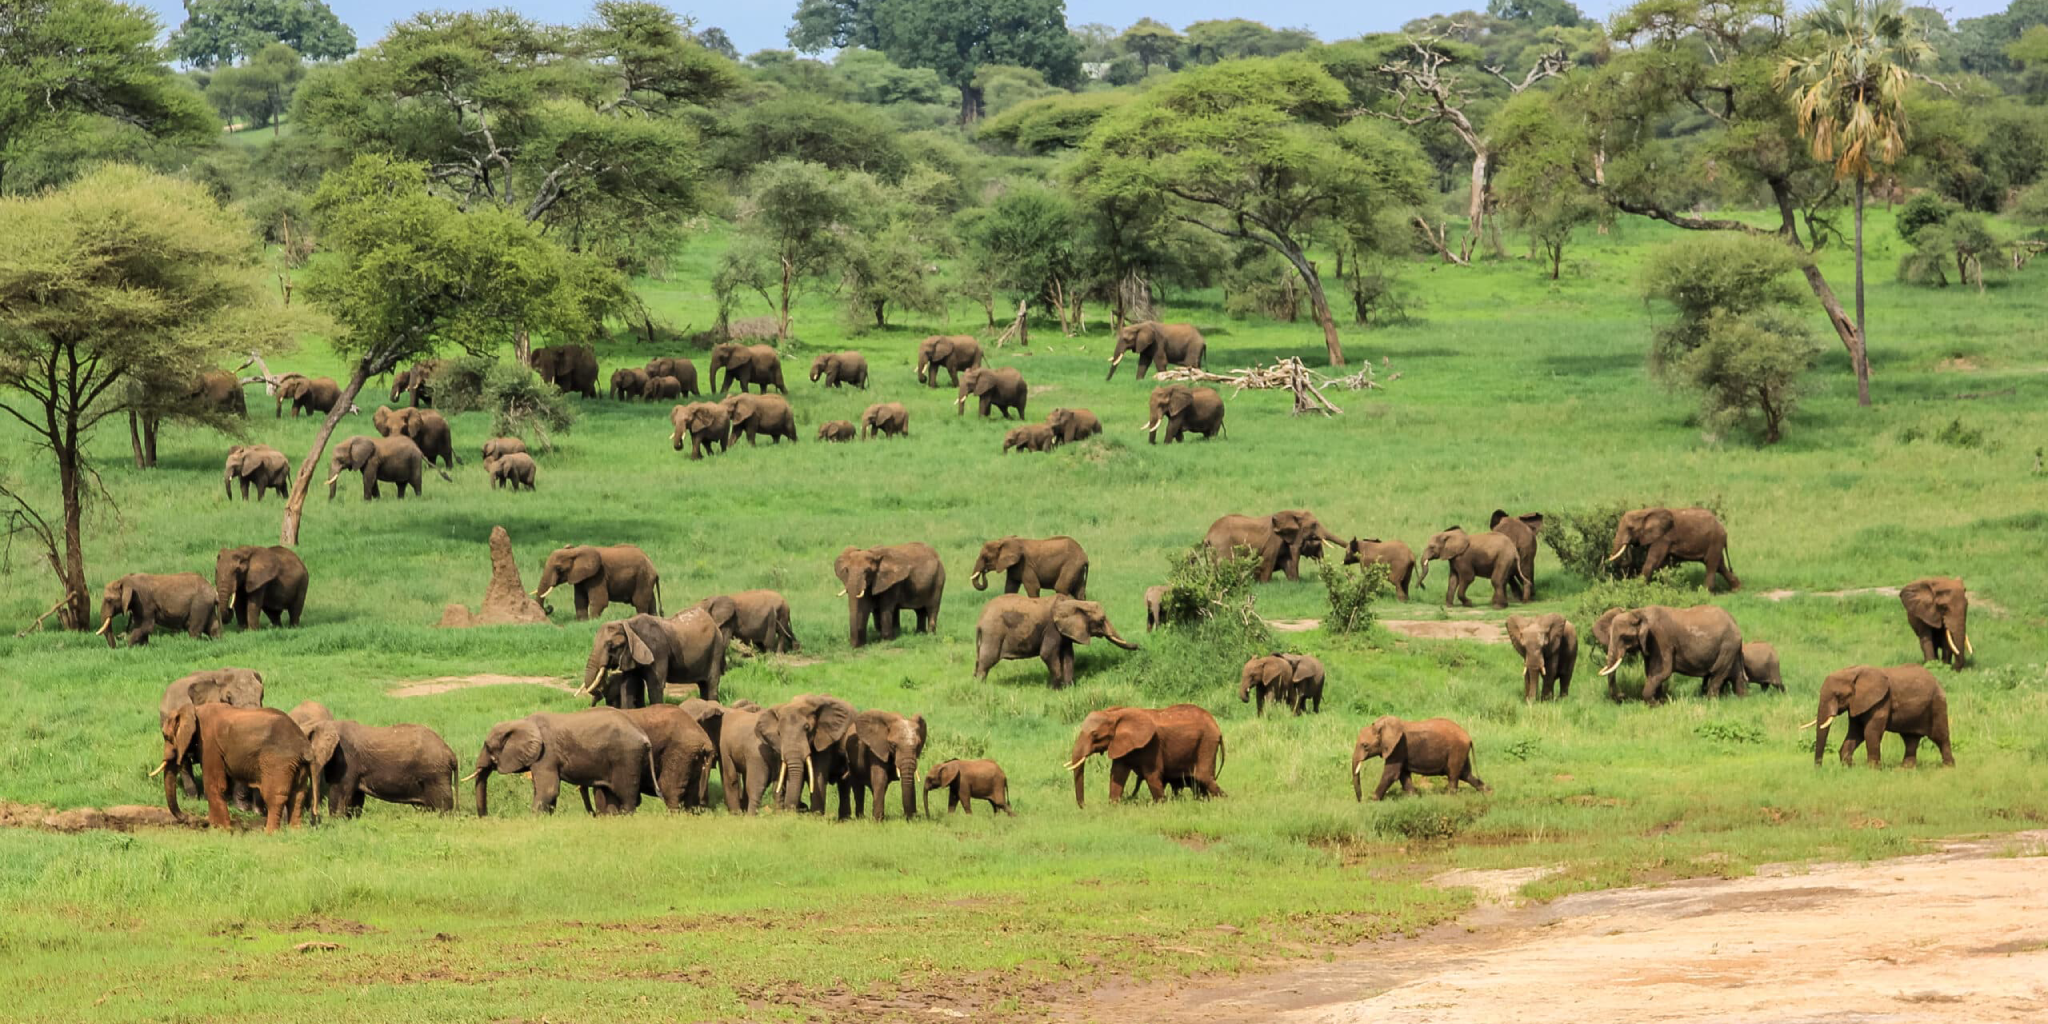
{"points": [[1219, 754], [657, 595], [653, 775], [444, 474]]}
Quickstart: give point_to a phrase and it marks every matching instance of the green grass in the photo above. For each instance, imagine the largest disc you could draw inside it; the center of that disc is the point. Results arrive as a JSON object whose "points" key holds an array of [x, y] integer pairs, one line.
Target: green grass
{"points": [[1513, 392]]}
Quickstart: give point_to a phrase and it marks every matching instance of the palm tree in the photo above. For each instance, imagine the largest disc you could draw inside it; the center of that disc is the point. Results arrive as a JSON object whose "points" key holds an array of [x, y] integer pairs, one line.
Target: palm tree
{"points": [[1850, 90]]}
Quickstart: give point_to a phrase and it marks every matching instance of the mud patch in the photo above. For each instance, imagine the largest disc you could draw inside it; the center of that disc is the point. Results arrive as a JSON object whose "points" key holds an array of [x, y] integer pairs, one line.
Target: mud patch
{"points": [[1437, 629], [121, 818], [1494, 886], [449, 684]]}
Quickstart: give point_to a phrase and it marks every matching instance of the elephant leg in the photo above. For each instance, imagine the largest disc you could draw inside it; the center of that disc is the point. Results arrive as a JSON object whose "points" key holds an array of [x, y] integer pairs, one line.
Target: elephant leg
{"points": [[878, 788], [1119, 773], [1155, 783], [1408, 781], [1912, 758], [1388, 775], [953, 799], [547, 787], [1873, 740], [277, 798], [1501, 575], [1848, 748], [1928, 650], [600, 599], [188, 782], [1067, 664]]}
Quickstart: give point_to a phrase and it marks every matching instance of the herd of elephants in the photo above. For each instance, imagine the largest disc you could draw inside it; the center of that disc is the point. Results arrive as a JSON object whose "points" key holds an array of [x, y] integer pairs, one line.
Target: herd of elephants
{"points": [[263, 760]]}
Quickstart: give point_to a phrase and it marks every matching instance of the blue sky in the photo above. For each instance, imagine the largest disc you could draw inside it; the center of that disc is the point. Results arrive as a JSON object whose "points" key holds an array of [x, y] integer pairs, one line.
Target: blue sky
{"points": [[759, 24]]}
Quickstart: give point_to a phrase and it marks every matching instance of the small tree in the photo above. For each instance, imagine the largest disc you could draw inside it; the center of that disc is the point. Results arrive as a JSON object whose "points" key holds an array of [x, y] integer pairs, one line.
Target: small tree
{"points": [[1733, 340], [1722, 273], [792, 231], [1151, 42], [1536, 186], [1027, 240], [1750, 364]]}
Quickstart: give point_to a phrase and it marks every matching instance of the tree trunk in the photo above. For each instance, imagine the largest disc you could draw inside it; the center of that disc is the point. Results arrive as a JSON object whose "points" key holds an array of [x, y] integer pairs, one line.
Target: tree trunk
{"points": [[1318, 302], [522, 347], [68, 475], [881, 314], [302, 483], [782, 326], [1861, 356], [135, 441], [970, 104], [149, 425], [1475, 208]]}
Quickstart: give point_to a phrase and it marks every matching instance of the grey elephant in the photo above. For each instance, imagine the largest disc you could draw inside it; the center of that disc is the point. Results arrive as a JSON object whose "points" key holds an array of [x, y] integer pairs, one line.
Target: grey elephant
{"points": [[879, 583], [308, 395], [1760, 666], [628, 382], [236, 687], [1184, 410], [1013, 627], [761, 414], [391, 460], [837, 431], [1671, 535], [218, 390], [1293, 680], [514, 469], [1903, 699], [1469, 557], [881, 748], [1701, 641], [885, 419], [682, 753], [996, 388], [1522, 530], [1031, 437], [1399, 559], [808, 733], [1549, 646], [1071, 425], [257, 464], [683, 370], [758, 617], [399, 764], [1938, 610], [1281, 540], [758, 365], [1032, 564], [251, 582], [152, 601], [499, 447], [660, 389], [417, 382], [570, 368], [427, 428], [748, 762], [1160, 345], [601, 575], [953, 353], [836, 368], [706, 424], [968, 781], [1433, 746], [633, 661], [597, 748]]}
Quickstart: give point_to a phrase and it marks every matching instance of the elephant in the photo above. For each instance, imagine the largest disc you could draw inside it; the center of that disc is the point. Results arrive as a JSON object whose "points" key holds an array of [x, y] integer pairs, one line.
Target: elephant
{"points": [[251, 582], [235, 687], [1938, 609], [683, 370], [628, 382], [1185, 410], [427, 428], [1161, 345], [1030, 564], [308, 713], [1760, 666], [1031, 437], [399, 764], [950, 352], [1071, 425], [880, 582], [1676, 535], [836, 368], [570, 368], [308, 395], [1522, 530], [1013, 626], [968, 781], [759, 617], [881, 748], [1469, 556], [602, 575], [760, 414], [748, 761], [759, 365], [221, 391], [256, 747], [998, 388], [837, 431], [660, 389], [632, 661], [258, 464], [1905, 699], [1159, 744], [1295, 680], [1281, 540], [395, 460], [1155, 606], [706, 424], [418, 382], [517, 469], [172, 601], [885, 419], [808, 734], [596, 748], [1700, 641], [1549, 646], [682, 751], [499, 447], [1399, 559], [1433, 746]]}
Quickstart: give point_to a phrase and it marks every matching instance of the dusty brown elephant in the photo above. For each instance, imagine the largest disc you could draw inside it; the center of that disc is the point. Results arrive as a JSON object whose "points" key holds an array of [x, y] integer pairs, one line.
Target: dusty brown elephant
{"points": [[1399, 559], [398, 764], [258, 747], [683, 370], [1433, 746], [1938, 610], [968, 781], [758, 617], [628, 382], [682, 753], [1185, 410], [1281, 540], [1293, 680], [308, 395], [392, 460], [602, 575], [516, 469], [1549, 646], [881, 748], [880, 582], [748, 762], [885, 419], [219, 390], [953, 353], [417, 382], [1670, 535], [236, 687], [258, 464], [706, 424], [570, 368], [1181, 742], [1905, 699], [1160, 345], [427, 428], [499, 447], [1031, 437], [1760, 666], [1469, 557], [251, 582], [598, 749], [837, 431], [660, 389], [1013, 626], [1071, 425], [1030, 564], [837, 368], [996, 388], [1700, 641], [759, 365], [761, 414], [1155, 607], [808, 734], [151, 601], [1521, 529]]}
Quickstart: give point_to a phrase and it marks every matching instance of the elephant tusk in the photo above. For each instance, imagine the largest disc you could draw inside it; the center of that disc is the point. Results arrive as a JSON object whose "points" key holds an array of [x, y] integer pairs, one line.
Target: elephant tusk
{"points": [[1609, 670], [104, 626], [1950, 637], [1825, 722], [540, 594], [1617, 553], [160, 768], [1968, 647], [842, 592], [1358, 768], [1076, 763], [863, 592], [332, 479], [1807, 726], [471, 775]]}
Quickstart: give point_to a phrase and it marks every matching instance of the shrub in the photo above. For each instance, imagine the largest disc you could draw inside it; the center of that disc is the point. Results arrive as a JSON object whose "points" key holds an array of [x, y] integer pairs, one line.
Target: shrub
{"points": [[1959, 243], [520, 403], [1352, 590], [1580, 538], [1921, 211], [1200, 587], [1722, 273], [1427, 819], [1750, 364], [1595, 600]]}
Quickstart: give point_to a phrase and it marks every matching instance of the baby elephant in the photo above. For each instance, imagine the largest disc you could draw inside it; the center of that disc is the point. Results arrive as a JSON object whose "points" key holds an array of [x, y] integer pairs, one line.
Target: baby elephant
{"points": [[516, 469], [968, 781], [1549, 647], [1155, 607], [660, 388], [1031, 437], [837, 430], [1433, 746], [1760, 666]]}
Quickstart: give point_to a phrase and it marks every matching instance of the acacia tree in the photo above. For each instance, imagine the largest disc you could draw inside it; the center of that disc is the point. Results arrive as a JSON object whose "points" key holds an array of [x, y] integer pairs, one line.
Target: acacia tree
{"points": [[225, 31], [792, 230], [956, 38]]}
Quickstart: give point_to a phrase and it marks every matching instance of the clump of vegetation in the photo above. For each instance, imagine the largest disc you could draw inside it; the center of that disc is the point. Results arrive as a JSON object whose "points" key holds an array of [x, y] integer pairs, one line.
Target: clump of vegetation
{"points": [[1216, 596], [1734, 342], [1581, 539], [520, 403], [1352, 589], [1426, 820], [1955, 434], [1730, 733], [1595, 600], [1724, 274], [1750, 366]]}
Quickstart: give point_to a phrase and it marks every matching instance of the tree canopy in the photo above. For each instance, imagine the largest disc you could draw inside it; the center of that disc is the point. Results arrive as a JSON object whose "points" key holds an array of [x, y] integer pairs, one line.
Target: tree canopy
{"points": [[219, 32], [955, 38]]}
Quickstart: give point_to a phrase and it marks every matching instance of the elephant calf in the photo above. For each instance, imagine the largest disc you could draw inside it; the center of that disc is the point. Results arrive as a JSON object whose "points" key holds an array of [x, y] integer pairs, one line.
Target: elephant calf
{"points": [[683, 370], [1295, 680], [1031, 437], [1399, 559], [968, 781], [257, 464], [1433, 746], [1155, 606], [1760, 666], [400, 764], [516, 469], [660, 389], [837, 430], [628, 382], [1549, 646], [1014, 626]]}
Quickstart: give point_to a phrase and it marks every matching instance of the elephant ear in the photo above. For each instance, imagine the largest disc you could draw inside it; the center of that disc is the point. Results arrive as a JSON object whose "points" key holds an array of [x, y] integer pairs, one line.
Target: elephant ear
{"points": [[182, 729], [873, 729], [637, 648], [1455, 542], [895, 568], [722, 611], [1070, 617], [1305, 668], [584, 563], [1493, 522], [134, 599], [919, 730], [1393, 737], [522, 748], [945, 774], [1008, 553], [831, 721], [842, 566], [1134, 729], [261, 572], [1532, 520], [325, 738], [1919, 601], [1655, 524], [1871, 687], [1178, 402], [1513, 627]]}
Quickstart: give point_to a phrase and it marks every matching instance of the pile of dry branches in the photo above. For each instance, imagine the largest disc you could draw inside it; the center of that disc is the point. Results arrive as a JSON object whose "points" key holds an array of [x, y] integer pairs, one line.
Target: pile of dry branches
{"points": [[1290, 374]]}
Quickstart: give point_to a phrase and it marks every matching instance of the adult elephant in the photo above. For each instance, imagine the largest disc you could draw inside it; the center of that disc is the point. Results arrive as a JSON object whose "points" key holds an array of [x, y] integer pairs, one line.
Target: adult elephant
{"points": [[1433, 746], [758, 617], [151, 601], [392, 460], [417, 382], [1521, 529], [1294, 680], [953, 353], [881, 748], [1013, 626], [1701, 641], [257, 747], [885, 419], [253, 581], [1549, 646], [1469, 557], [682, 753], [748, 760], [1399, 559], [837, 368], [759, 365], [257, 464], [1031, 564], [683, 370], [632, 661], [1281, 540], [808, 734], [881, 582], [996, 387], [1185, 410], [1669, 535], [398, 764], [427, 428], [1938, 610], [761, 414], [570, 368], [220, 391], [235, 687], [628, 382], [1760, 666], [597, 748], [1161, 345], [1181, 742], [308, 395], [1905, 699], [601, 575], [706, 424], [1071, 425]]}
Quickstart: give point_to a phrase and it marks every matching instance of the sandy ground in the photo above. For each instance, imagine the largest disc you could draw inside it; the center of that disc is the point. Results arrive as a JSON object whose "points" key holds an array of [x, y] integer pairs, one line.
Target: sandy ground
{"points": [[448, 684], [1958, 937]]}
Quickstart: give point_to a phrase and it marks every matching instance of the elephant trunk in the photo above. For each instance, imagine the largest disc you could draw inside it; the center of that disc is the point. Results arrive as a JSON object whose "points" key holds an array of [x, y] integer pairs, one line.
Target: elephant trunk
{"points": [[796, 763], [1080, 783], [1244, 686], [1424, 577], [331, 479], [980, 575], [593, 667], [906, 770], [1614, 658], [482, 775], [169, 768], [1958, 634], [1821, 720], [1109, 633], [224, 594]]}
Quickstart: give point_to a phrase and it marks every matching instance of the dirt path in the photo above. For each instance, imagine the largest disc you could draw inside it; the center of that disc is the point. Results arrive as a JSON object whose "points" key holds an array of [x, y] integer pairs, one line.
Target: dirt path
{"points": [[449, 684], [1959, 937]]}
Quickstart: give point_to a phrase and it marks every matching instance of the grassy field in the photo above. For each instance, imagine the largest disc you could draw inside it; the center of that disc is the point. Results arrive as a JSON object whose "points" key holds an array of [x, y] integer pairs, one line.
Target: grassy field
{"points": [[1512, 392]]}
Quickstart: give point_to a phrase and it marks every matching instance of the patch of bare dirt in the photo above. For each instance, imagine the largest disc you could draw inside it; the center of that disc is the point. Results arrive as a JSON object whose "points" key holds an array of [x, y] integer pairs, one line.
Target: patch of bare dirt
{"points": [[1293, 625], [328, 926], [1957, 364], [448, 684], [1436, 629], [1965, 929], [121, 818]]}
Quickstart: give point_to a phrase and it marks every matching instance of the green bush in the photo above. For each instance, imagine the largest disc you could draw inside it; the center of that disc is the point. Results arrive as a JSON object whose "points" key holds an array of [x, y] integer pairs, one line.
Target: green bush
{"points": [[1750, 364], [1721, 273], [1581, 538], [520, 403], [1921, 211], [1352, 590], [1428, 818], [1595, 600], [1200, 587]]}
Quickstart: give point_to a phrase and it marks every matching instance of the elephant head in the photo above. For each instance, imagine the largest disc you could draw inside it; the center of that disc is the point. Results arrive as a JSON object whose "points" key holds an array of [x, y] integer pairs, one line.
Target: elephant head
{"points": [[512, 748], [727, 356], [1629, 631], [1533, 635], [869, 418], [240, 569], [697, 418], [1137, 337], [804, 727], [389, 421], [723, 613], [181, 732], [974, 382], [1302, 533], [896, 741], [1446, 545], [941, 776], [934, 353], [354, 453], [1643, 527], [1942, 604], [128, 596], [573, 565], [294, 386], [1856, 690], [1272, 672], [1114, 732], [1383, 738], [820, 364], [617, 648], [996, 556], [865, 572], [1079, 621], [1358, 549], [1169, 402]]}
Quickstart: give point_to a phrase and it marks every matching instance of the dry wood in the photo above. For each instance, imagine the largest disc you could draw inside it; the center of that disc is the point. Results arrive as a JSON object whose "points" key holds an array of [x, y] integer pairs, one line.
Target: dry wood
{"points": [[38, 623], [1289, 374]]}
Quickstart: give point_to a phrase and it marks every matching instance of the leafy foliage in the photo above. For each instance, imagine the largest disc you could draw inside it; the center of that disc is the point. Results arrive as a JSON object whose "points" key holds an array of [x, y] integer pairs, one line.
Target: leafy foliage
{"points": [[1750, 364], [222, 32], [1724, 274], [1632, 592], [1352, 589], [1212, 593], [520, 403]]}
